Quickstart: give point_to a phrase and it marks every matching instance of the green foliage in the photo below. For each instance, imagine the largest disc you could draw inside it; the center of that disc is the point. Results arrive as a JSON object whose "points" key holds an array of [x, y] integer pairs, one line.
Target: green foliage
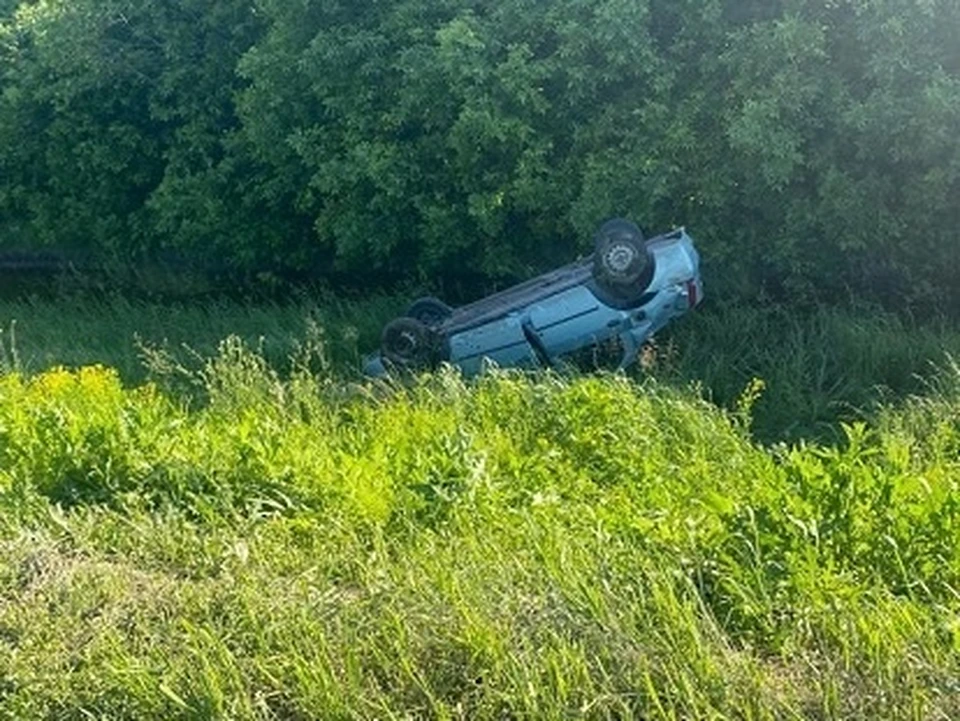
{"points": [[519, 546], [107, 105], [810, 147]]}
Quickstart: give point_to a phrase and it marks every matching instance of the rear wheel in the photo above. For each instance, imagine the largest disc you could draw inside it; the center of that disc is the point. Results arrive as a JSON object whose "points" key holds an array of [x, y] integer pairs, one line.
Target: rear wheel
{"points": [[408, 343], [429, 311], [621, 263]]}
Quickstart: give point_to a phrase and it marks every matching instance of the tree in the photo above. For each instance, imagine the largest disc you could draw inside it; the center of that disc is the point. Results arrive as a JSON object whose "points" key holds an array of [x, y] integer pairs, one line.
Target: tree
{"points": [[109, 102], [810, 147]]}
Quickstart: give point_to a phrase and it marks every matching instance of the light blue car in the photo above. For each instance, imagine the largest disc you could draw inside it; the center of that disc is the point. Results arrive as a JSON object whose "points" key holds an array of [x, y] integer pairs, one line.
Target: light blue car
{"points": [[621, 295]]}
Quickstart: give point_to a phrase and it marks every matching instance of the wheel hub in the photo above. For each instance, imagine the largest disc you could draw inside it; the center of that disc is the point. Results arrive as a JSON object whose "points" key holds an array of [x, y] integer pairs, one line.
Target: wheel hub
{"points": [[406, 344], [620, 257]]}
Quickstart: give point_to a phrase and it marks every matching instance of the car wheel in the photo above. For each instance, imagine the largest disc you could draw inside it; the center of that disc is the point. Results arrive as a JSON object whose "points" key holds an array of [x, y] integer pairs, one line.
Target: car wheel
{"points": [[620, 259], [408, 343], [429, 311]]}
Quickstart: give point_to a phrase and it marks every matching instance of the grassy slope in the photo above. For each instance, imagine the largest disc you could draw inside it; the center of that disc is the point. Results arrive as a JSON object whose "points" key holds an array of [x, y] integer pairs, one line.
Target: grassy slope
{"points": [[310, 547]]}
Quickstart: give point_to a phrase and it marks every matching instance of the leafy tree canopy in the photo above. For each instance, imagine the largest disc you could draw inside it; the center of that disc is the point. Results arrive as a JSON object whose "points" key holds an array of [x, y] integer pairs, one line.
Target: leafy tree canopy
{"points": [[811, 147]]}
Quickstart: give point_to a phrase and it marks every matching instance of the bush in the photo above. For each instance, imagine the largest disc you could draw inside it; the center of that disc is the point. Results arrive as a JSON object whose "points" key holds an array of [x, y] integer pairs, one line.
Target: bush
{"points": [[809, 147]]}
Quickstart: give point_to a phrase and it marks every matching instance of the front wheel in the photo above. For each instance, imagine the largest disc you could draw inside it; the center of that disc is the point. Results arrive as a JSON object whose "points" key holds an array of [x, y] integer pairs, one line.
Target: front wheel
{"points": [[408, 343], [621, 261]]}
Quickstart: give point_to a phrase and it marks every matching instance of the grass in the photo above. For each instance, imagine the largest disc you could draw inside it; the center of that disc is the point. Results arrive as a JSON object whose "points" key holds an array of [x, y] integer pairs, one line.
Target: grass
{"points": [[112, 329], [257, 533], [818, 368]]}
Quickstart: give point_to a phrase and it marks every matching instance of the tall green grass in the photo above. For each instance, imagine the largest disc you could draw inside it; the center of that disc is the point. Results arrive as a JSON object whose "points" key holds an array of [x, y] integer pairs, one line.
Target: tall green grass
{"points": [[296, 545], [818, 367], [114, 329]]}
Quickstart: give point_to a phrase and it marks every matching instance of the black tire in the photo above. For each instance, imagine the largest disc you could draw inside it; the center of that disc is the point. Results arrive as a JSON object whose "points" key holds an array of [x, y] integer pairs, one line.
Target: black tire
{"points": [[429, 311], [621, 262], [408, 343]]}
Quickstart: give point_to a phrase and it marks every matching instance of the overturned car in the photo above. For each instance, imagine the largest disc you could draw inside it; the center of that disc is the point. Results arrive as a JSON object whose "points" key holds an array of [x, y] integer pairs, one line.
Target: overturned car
{"points": [[621, 295]]}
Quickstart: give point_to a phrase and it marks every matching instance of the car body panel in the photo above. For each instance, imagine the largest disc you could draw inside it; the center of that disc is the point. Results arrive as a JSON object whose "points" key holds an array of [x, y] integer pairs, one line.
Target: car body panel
{"points": [[534, 324], [500, 304], [501, 341]]}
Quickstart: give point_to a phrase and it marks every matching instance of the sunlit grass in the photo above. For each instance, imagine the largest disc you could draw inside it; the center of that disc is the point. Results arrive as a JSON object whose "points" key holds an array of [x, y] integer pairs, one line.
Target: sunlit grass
{"points": [[296, 545]]}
